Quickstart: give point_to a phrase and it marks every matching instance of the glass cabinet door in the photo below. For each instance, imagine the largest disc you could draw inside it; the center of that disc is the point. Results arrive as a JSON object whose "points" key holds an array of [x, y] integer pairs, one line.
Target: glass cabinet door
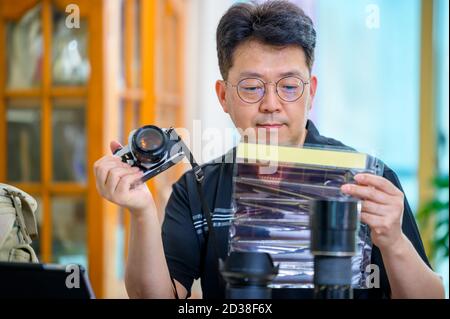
{"points": [[45, 121], [69, 230], [23, 118], [70, 63], [24, 50], [69, 140]]}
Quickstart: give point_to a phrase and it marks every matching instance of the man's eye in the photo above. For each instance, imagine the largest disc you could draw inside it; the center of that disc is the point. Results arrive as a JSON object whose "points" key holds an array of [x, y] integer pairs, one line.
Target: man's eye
{"points": [[289, 87], [251, 88]]}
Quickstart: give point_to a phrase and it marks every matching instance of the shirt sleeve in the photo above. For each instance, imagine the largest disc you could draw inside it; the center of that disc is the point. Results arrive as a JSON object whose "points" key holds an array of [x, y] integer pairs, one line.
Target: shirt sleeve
{"points": [[180, 241], [410, 229], [409, 224]]}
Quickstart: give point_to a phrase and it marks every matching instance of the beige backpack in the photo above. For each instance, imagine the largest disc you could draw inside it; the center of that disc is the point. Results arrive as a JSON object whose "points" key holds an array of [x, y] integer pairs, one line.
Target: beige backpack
{"points": [[17, 225]]}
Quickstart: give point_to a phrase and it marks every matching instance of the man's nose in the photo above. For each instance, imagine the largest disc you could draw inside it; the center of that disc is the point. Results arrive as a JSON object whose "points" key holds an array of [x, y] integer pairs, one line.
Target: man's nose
{"points": [[270, 103]]}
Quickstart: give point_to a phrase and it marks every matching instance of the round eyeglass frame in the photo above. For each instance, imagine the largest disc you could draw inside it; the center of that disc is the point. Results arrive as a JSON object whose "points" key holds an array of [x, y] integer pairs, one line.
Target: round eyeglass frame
{"points": [[305, 83]]}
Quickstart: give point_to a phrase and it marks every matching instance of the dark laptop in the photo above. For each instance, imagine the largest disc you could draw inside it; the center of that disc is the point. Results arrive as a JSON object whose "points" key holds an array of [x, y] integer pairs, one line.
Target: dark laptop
{"points": [[27, 280]]}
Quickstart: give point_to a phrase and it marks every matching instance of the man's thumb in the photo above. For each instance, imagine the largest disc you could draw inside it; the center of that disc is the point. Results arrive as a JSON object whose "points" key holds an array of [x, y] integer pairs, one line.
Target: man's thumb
{"points": [[114, 145]]}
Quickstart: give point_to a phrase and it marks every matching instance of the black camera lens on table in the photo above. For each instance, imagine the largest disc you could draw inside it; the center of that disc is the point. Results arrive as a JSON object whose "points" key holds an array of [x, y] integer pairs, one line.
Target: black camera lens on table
{"points": [[248, 275], [334, 226]]}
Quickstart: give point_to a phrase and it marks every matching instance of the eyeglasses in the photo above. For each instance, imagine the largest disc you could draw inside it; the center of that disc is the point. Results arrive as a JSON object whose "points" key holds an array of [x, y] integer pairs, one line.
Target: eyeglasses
{"points": [[252, 90]]}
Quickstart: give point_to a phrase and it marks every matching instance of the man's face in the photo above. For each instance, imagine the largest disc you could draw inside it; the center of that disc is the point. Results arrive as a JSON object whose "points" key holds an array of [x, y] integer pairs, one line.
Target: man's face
{"points": [[271, 116]]}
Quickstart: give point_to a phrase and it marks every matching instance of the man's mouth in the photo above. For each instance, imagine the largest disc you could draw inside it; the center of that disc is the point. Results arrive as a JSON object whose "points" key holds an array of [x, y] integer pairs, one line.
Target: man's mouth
{"points": [[270, 125]]}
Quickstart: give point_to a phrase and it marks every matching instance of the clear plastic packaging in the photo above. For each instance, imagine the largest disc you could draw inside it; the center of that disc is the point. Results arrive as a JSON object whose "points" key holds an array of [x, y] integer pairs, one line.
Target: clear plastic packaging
{"points": [[271, 193]]}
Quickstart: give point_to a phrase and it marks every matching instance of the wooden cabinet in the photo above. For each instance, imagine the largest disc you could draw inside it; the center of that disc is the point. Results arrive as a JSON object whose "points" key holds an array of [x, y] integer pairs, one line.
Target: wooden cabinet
{"points": [[65, 93]]}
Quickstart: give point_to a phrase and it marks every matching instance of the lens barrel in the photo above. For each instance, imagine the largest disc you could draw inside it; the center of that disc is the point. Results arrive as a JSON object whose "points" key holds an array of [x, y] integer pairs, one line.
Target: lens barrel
{"points": [[248, 275], [149, 144], [334, 226]]}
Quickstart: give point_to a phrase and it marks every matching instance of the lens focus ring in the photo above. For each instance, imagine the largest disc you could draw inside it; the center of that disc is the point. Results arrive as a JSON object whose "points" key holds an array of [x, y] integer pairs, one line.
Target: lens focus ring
{"points": [[149, 144]]}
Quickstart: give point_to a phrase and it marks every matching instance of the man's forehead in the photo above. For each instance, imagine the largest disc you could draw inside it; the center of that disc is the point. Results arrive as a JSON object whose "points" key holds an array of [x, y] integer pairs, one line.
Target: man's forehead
{"points": [[256, 59], [254, 74]]}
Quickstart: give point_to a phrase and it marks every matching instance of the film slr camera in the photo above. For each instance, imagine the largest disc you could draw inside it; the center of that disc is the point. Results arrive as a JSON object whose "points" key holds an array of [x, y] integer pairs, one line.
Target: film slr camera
{"points": [[248, 275], [153, 150]]}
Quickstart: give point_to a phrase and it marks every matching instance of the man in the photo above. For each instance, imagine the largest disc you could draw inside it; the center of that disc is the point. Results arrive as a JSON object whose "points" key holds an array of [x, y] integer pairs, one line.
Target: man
{"points": [[266, 53]]}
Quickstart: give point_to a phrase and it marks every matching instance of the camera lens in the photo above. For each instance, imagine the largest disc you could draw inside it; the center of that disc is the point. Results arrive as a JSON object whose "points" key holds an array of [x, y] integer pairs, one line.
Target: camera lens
{"points": [[149, 140], [334, 225], [149, 144], [248, 275]]}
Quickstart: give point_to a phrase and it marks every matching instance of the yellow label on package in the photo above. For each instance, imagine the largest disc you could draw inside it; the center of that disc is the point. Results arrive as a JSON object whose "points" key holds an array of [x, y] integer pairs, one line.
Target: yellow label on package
{"points": [[298, 155]]}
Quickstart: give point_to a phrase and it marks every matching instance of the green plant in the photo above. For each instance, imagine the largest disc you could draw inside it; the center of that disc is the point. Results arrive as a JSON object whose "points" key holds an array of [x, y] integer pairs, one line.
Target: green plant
{"points": [[437, 210]]}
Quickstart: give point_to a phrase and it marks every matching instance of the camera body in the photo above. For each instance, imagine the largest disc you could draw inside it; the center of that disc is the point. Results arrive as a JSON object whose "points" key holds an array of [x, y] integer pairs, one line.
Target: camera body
{"points": [[152, 149]]}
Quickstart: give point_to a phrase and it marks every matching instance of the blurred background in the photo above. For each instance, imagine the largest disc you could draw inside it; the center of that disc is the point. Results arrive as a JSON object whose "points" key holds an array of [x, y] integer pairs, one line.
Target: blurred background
{"points": [[76, 74]]}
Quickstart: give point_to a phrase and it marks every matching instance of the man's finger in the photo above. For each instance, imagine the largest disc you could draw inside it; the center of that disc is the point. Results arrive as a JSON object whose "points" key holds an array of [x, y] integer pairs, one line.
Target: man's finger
{"points": [[115, 174], [108, 159], [102, 171], [373, 208], [114, 145], [124, 184], [378, 182], [373, 221], [366, 193]]}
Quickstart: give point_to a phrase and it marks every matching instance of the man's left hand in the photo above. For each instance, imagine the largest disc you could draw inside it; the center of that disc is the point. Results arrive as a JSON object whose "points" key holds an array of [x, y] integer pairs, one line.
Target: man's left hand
{"points": [[382, 208]]}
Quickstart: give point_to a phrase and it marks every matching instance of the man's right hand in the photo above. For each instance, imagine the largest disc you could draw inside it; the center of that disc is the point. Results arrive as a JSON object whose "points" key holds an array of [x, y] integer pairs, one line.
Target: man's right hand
{"points": [[113, 179]]}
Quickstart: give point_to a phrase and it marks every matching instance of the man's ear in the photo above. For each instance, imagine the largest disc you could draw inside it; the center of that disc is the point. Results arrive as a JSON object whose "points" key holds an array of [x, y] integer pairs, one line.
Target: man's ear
{"points": [[312, 90], [221, 89]]}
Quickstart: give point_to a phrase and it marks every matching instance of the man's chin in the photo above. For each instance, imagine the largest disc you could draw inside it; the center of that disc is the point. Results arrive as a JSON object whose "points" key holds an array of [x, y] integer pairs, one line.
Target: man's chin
{"points": [[271, 141], [281, 143], [259, 135]]}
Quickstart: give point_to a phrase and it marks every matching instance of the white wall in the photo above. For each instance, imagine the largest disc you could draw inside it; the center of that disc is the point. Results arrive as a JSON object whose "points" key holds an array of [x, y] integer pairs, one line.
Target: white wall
{"points": [[202, 71]]}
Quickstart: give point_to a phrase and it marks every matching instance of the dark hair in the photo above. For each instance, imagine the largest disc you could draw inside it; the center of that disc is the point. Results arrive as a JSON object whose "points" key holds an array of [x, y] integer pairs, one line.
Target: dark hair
{"points": [[277, 23]]}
